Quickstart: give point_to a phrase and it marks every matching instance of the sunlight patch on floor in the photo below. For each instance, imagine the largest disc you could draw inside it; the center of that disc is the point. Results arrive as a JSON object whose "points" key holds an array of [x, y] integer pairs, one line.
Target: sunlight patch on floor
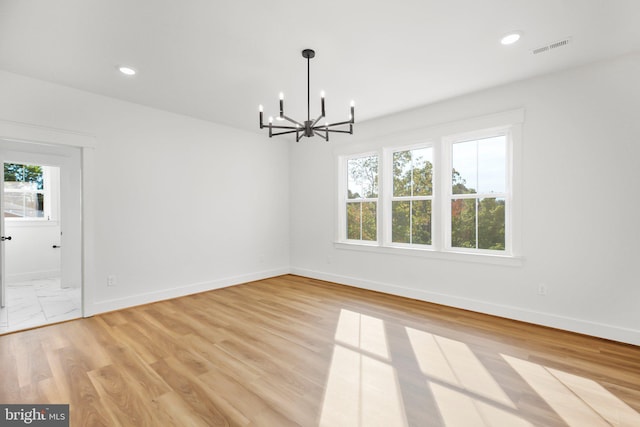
{"points": [[454, 363], [614, 410], [362, 388], [579, 401], [362, 332], [460, 409], [465, 392]]}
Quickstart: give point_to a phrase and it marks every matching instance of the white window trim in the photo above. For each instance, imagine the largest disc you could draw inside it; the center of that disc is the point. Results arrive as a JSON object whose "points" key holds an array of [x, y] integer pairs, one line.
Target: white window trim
{"points": [[386, 202], [342, 194], [437, 137], [447, 184]]}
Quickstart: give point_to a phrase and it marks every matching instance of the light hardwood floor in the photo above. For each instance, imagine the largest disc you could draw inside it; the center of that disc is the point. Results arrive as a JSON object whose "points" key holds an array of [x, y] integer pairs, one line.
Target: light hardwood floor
{"points": [[296, 351]]}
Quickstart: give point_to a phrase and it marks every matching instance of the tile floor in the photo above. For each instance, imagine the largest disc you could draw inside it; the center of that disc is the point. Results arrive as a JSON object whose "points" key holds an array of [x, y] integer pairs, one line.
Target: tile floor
{"points": [[38, 302]]}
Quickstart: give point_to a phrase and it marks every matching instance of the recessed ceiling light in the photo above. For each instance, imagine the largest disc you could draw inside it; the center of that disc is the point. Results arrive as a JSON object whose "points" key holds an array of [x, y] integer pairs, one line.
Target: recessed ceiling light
{"points": [[510, 38], [127, 71]]}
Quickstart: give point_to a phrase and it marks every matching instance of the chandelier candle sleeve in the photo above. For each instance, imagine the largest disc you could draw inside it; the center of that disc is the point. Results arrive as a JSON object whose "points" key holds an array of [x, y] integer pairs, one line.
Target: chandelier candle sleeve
{"points": [[309, 127]]}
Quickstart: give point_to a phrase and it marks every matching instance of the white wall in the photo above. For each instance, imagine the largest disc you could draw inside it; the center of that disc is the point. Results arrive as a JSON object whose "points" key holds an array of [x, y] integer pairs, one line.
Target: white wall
{"points": [[175, 205], [580, 201]]}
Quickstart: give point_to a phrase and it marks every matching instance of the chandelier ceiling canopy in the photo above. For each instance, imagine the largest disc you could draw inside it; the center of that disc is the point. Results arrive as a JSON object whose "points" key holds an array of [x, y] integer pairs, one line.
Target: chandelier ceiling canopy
{"points": [[308, 128]]}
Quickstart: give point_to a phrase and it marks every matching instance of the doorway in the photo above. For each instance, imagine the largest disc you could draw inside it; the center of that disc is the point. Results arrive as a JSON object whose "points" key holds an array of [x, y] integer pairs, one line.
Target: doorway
{"points": [[40, 251]]}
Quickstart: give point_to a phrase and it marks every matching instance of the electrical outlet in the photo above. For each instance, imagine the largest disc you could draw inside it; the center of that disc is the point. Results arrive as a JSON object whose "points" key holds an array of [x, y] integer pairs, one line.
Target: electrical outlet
{"points": [[111, 280], [542, 289]]}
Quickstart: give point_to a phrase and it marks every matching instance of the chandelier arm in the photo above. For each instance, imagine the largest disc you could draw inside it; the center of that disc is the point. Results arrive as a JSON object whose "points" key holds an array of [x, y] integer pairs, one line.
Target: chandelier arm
{"points": [[283, 127], [293, 121], [325, 137], [338, 131], [284, 133], [347, 122], [317, 120], [327, 128]]}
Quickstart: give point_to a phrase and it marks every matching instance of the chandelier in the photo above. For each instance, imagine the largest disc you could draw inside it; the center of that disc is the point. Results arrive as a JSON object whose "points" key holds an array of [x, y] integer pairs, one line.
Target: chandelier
{"points": [[309, 127]]}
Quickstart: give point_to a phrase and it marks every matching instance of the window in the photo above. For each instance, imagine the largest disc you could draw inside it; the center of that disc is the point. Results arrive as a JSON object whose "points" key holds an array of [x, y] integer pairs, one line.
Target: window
{"points": [[453, 195], [362, 198], [27, 192], [411, 202], [478, 194]]}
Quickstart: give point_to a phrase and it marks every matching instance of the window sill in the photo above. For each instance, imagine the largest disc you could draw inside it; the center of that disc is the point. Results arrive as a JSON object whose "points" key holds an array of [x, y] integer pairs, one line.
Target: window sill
{"points": [[480, 258]]}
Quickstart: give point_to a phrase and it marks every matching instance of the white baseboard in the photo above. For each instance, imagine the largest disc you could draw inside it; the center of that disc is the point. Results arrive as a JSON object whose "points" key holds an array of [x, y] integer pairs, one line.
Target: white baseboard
{"points": [[600, 330], [32, 275], [104, 306]]}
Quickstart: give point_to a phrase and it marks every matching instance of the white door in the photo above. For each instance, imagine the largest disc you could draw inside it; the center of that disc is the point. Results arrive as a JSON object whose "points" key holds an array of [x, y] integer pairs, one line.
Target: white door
{"points": [[67, 161]]}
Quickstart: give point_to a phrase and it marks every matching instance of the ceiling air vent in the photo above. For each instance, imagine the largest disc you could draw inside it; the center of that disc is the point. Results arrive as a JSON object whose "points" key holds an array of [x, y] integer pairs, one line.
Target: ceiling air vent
{"points": [[551, 46]]}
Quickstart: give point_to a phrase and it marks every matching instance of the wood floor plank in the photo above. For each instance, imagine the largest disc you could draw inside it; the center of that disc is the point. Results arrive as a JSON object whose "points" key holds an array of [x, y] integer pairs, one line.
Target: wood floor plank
{"points": [[133, 336], [9, 383], [176, 412], [191, 390], [125, 400], [87, 408], [294, 351]]}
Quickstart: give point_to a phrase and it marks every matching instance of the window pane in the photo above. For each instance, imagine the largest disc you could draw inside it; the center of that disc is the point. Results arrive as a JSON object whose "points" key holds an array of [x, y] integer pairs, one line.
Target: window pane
{"points": [[491, 224], [31, 174], [23, 204], [369, 221], [353, 221], [422, 172], [402, 173], [492, 165], [464, 161], [421, 222], [362, 177], [479, 166], [412, 172], [463, 223], [400, 232], [362, 221], [23, 187]]}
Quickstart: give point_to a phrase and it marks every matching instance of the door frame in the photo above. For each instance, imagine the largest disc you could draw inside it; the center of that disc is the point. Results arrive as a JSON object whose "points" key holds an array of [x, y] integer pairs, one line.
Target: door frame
{"points": [[28, 133], [67, 160]]}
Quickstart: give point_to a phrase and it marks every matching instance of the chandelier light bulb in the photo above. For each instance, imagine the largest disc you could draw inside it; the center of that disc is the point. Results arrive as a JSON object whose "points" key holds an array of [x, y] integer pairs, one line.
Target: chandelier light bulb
{"points": [[260, 108], [353, 103], [270, 119], [321, 94], [281, 95]]}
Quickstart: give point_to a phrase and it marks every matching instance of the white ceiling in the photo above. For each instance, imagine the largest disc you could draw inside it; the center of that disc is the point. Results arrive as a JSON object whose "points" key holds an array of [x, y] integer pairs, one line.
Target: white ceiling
{"points": [[217, 60]]}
